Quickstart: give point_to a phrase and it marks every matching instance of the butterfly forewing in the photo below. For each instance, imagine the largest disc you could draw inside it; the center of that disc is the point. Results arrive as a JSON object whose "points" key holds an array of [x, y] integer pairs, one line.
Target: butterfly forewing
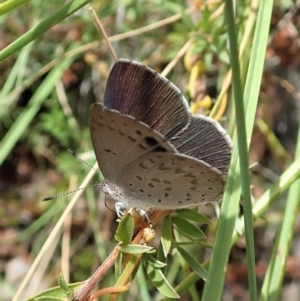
{"points": [[119, 139], [136, 90], [169, 181]]}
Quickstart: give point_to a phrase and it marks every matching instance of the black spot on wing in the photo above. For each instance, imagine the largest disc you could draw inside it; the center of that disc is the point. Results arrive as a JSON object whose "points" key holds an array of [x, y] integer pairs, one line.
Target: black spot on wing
{"points": [[152, 142], [107, 150], [160, 149]]}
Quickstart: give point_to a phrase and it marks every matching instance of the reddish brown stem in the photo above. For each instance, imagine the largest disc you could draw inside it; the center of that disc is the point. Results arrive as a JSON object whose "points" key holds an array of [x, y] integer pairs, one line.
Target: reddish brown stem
{"points": [[84, 292]]}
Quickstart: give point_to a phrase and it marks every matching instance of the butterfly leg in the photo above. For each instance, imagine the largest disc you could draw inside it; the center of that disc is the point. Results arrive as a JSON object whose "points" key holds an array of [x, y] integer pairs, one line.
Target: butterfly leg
{"points": [[120, 208], [143, 214]]}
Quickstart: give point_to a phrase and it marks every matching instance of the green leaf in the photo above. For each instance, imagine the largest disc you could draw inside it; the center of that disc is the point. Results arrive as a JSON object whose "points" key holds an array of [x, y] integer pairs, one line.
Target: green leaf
{"points": [[62, 283], [193, 263], [153, 261], [166, 235], [56, 293], [186, 228], [160, 255], [125, 229], [193, 215], [135, 249], [159, 280]]}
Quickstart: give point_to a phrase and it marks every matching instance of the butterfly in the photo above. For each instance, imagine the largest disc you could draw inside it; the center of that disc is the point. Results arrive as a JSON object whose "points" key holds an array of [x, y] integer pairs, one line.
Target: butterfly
{"points": [[151, 151]]}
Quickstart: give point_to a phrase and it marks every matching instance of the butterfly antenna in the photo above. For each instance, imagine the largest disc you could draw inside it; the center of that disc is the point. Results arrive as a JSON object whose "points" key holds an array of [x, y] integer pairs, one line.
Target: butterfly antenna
{"points": [[100, 185], [102, 30], [86, 163]]}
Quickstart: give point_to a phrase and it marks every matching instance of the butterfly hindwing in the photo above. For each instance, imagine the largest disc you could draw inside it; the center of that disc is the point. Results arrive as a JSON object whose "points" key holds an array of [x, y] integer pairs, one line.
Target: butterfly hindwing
{"points": [[170, 180], [206, 140]]}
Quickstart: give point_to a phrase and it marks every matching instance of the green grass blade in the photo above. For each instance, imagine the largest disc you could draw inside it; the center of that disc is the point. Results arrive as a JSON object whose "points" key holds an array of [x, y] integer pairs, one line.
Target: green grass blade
{"points": [[214, 286], [276, 269], [242, 146], [274, 192], [35, 103], [10, 5], [16, 74], [42, 27]]}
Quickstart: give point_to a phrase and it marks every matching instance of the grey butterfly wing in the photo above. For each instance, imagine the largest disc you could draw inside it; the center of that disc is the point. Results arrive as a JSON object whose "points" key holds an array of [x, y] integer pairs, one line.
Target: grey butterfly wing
{"points": [[170, 181], [119, 139], [206, 140], [136, 90]]}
